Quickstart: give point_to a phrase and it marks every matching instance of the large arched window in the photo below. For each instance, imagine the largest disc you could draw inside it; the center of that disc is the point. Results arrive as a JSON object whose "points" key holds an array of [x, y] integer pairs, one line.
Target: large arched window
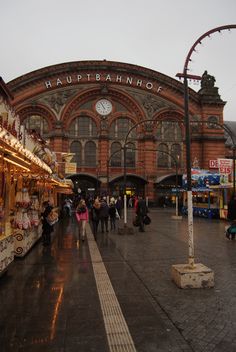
{"points": [[169, 131], [162, 155], [76, 148], [130, 155], [116, 154], [120, 127], [37, 123], [90, 154], [82, 127]]}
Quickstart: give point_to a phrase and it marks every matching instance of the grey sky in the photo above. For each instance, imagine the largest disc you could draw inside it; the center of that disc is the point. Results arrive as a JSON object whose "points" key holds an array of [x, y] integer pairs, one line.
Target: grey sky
{"points": [[155, 34]]}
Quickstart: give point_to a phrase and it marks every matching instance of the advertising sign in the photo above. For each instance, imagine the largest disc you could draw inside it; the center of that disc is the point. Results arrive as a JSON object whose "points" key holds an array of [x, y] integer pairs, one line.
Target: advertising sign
{"points": [[70, 168], [225, 166], [213, 164]]}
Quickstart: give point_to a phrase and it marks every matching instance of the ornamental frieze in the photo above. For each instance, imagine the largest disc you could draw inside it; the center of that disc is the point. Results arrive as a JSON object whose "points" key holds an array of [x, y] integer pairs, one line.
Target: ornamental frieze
{"points": [[57, 100]]}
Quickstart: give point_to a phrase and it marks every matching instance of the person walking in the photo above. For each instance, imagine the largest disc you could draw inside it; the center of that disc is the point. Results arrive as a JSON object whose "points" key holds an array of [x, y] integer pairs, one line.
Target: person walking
{"points": [[112, 214], [95, 216], [82, 216], [104, 214], [141, 212]]}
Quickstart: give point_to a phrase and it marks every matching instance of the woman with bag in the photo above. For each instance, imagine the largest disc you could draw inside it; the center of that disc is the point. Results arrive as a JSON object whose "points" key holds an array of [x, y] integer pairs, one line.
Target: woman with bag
{"points": [[82, 217]]}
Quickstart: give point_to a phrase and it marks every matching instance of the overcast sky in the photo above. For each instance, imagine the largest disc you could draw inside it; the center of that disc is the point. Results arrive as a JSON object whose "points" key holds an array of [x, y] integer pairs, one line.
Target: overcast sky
{"points": [[155, 34]]}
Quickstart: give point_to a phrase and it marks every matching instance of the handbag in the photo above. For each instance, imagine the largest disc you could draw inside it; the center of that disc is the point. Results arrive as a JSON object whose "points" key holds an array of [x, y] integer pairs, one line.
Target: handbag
{"points": [[147, 220]]}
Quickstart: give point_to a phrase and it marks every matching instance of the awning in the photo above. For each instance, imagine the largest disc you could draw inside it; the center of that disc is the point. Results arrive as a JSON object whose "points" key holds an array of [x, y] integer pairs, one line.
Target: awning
{"points": [[163, 177], [13, 152]]}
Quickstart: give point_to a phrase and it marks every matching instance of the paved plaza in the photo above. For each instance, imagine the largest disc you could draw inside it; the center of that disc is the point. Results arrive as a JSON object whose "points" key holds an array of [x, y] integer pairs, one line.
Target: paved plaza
{"points": [[116, 294]]}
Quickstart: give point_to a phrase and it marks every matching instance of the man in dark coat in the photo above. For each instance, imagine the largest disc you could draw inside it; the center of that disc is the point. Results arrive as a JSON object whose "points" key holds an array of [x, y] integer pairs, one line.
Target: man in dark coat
{"points": [[141, 212]]}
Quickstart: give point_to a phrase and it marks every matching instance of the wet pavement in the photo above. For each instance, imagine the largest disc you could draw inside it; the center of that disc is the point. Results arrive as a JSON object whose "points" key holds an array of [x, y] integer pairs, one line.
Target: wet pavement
{"points": [[59, 299]]}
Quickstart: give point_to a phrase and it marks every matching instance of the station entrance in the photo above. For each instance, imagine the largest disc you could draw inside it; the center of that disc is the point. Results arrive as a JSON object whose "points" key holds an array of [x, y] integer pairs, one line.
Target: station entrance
{"points": [[135, 185], [85, 185]]}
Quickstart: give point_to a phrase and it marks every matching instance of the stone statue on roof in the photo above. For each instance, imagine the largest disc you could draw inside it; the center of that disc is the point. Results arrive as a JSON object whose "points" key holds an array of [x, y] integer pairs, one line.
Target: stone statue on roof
{"points": [[207, 80]]}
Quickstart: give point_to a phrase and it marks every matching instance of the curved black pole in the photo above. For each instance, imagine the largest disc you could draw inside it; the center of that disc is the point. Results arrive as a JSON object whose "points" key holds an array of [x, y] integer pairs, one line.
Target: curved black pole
{"points": [[188, 141]]}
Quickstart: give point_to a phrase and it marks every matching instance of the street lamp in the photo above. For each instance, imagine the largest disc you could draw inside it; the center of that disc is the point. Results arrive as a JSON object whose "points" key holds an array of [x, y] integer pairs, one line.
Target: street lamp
{"points": [[193, 275]]}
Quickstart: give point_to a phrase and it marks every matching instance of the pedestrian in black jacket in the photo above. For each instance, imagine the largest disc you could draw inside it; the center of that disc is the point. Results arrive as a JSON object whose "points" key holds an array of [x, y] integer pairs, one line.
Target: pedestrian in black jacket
{"points": [[141, 212]]}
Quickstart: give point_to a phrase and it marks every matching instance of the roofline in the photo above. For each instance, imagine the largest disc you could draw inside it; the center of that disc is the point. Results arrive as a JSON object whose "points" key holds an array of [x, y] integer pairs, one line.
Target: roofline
{"points": [[5, 89]]}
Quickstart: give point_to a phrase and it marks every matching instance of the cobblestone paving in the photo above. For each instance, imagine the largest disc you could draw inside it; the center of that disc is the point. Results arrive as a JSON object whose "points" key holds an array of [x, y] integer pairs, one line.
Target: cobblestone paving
{"points": [[204, 318]]}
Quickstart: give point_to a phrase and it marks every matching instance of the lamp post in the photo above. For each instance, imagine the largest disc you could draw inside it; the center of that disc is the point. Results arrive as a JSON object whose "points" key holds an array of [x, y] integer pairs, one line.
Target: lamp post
{"points": [[188, 169], [186, 76], [193, 275]]}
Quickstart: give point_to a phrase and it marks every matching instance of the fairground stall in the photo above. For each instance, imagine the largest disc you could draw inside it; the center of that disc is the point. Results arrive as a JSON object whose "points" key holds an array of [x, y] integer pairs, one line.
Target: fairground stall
{"points": [[20, 171], [210, 194]]}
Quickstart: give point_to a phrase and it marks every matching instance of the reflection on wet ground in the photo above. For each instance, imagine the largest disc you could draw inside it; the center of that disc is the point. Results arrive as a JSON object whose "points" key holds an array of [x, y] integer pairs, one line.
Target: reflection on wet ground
{"points": [[49, 300]]}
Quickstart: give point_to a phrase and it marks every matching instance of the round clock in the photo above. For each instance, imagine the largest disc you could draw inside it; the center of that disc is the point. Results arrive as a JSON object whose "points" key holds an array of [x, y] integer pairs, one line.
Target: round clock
{"points": [[103, 107]]}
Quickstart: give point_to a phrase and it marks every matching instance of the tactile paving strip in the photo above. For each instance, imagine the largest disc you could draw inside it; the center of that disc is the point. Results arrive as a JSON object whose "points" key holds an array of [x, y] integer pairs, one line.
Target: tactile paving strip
{"points": [[118, 335]]}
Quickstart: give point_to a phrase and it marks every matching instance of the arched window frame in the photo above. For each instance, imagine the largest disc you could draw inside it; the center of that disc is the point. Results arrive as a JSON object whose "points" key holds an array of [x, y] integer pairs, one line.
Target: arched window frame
{"points": [[41, 126], [90, 154], [120, 127], [130, 155], [83, 127], [116, 159], [76, 147], [162, 158], [176, 153], [169, 131]]}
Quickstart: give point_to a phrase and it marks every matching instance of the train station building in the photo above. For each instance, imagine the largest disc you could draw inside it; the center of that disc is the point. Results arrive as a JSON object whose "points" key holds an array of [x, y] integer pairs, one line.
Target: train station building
{"points": [[88, 110]]}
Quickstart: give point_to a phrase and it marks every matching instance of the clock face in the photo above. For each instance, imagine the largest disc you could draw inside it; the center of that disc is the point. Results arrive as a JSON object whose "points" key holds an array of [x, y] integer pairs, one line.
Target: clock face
{"points": [[103, 107]]}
